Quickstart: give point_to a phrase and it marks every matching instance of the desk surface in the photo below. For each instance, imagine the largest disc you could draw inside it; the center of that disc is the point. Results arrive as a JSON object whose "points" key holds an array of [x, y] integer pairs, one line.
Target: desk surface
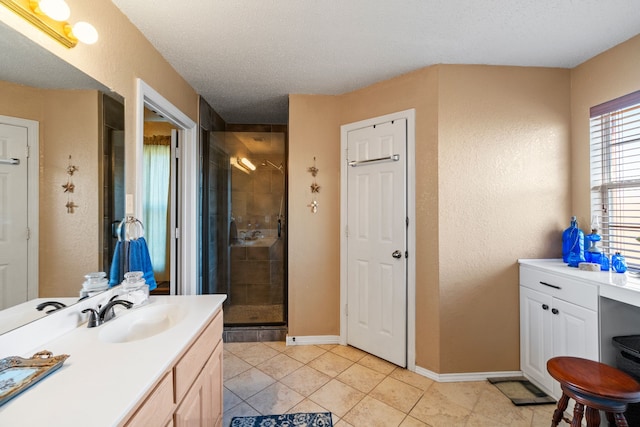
{"points": [[621, 287]]}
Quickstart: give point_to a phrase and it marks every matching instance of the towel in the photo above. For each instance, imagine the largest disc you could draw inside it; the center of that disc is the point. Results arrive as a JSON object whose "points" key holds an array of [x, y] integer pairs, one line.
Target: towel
{"points": [[139, 260], [128, 256], [119, 264]]}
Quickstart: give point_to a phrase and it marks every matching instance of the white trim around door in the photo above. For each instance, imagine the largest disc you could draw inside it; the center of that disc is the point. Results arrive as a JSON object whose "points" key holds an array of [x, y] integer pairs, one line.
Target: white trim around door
{"points": [[409, 115], [188, 193]]}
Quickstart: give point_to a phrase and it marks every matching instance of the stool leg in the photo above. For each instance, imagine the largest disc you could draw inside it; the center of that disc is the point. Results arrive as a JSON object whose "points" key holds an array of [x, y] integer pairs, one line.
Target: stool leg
{"points": [[593, 417], [559, 412], [578, 412], [621, 421]]}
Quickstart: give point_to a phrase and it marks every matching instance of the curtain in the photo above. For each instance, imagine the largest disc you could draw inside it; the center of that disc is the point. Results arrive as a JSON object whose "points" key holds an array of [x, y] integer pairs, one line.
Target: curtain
{"points": [[157, 170]]}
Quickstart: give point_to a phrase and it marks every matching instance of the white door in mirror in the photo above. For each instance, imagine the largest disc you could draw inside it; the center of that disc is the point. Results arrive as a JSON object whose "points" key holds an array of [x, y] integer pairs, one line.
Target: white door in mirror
{"points": [[13, 208]]}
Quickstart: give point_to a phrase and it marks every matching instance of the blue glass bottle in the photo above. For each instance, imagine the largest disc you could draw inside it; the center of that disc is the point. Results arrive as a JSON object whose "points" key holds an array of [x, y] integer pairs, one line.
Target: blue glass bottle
{"points": [[573, 244], [604, 262], [618, 263]]}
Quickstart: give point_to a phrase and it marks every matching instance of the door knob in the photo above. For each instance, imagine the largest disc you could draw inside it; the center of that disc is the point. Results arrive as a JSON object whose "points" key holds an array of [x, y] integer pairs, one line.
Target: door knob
{"points": [[545, 307], [396, 254]]}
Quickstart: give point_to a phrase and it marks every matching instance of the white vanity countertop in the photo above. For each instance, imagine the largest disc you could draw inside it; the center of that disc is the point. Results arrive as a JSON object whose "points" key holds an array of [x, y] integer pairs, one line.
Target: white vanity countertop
{"points": [[616, 286], [18, 315], [100, 383]]}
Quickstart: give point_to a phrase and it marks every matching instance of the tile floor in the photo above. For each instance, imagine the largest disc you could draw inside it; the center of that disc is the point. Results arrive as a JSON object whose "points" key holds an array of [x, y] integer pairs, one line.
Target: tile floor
{"points": [[359, 389]]}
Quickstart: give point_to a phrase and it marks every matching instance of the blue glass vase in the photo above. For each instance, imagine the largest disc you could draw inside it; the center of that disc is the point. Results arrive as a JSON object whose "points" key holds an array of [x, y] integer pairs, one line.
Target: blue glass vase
{"points": [[618, 263], [573, 244]]}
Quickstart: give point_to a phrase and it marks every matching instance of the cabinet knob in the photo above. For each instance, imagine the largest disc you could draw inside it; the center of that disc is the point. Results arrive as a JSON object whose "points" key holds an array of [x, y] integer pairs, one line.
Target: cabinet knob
{"points": [[555, 311], [545, 307]]}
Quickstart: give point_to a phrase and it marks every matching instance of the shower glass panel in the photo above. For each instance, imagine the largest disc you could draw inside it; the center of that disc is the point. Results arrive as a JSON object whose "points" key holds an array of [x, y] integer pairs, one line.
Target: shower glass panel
{"points": [[245, 230]]}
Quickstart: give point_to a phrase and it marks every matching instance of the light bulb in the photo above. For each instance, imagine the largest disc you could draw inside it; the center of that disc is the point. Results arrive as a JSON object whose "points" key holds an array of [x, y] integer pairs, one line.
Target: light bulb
{"points": [[247, 163], [85, 32], [57, 10]]}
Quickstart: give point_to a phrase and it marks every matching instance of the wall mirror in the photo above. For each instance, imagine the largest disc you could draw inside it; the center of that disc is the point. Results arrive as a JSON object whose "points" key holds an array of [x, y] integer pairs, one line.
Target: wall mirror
{"points": [[80, 125]]}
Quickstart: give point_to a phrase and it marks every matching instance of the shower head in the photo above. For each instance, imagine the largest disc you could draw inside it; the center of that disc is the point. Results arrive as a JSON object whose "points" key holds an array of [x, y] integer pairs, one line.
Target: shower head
{"points": [[268, 163]]}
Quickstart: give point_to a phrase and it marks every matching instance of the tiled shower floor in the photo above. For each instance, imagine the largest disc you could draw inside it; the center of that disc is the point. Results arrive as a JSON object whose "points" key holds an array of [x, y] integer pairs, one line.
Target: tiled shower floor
{"points": [[359, 389], [259, 314]]}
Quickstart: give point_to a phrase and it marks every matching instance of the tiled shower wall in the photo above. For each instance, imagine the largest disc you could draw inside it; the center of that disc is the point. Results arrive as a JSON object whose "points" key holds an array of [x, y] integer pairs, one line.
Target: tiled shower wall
{"points": [[257, 274]]}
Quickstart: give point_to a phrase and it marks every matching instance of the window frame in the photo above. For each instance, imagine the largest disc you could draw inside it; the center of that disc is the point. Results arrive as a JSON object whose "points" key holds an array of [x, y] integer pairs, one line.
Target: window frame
{"points": [[604, 140]]}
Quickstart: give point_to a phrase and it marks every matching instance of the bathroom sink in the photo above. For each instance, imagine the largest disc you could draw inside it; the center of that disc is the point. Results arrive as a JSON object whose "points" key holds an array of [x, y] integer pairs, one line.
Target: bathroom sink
{"points": [[141, 323]]}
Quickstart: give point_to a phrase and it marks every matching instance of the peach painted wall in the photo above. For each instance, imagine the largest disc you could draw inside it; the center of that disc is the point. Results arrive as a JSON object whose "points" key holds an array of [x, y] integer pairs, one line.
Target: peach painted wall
{"points": [[492, 185], [503, 153], [605, 77], [69, 242], [314, 246], [69, 125]]}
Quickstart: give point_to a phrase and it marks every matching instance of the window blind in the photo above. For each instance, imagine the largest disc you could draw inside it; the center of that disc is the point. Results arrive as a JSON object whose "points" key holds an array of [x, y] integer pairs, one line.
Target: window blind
{"points": [[615, 176]]}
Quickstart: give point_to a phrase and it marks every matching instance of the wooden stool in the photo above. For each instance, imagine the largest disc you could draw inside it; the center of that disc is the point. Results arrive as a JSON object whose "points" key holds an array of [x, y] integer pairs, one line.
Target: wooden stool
{"points": [[594, 385]]}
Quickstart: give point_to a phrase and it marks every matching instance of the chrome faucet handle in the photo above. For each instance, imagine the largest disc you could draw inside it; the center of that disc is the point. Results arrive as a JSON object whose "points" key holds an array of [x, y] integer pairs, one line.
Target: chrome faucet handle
{"points": [[94, 319], [55, 304], [107, 312]]}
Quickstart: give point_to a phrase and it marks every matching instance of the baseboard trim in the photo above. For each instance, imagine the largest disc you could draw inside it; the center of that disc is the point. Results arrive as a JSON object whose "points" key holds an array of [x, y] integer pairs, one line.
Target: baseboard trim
{"points": [[313, 340], [441, 378], [468, 376]]}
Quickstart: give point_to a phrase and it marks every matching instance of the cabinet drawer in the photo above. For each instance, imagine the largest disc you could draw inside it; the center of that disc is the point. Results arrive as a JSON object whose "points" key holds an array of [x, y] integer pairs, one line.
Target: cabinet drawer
{"points": [[158, 407], [576, 292], [189, 367]]}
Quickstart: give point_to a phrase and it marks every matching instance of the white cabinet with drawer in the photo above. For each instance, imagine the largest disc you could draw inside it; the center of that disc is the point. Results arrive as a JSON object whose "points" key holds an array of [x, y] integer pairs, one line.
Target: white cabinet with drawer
{"points": [[558, 317]]}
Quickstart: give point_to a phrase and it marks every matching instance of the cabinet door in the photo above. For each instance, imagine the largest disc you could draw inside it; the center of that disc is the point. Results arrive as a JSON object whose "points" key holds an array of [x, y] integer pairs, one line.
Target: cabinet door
{"points": [[213, 370], [193, 409], [202, 405], [575, 331], [536, 336]]}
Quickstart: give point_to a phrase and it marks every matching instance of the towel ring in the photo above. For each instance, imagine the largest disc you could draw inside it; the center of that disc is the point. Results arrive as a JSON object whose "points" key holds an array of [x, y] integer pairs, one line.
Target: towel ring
{"points": [[130, 228]]}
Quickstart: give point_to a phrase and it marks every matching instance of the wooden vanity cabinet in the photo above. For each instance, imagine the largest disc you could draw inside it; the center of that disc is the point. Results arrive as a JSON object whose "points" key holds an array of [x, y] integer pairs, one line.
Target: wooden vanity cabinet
{"points": [[202, 405], [190, 394]]}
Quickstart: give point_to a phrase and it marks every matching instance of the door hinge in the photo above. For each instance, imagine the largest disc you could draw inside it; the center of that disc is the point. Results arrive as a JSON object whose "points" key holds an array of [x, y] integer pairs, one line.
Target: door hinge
{"points": [[28, 233], [177, 152], [28, 151], [406, 254], [177, 233], [346, 231], [407, 222]]}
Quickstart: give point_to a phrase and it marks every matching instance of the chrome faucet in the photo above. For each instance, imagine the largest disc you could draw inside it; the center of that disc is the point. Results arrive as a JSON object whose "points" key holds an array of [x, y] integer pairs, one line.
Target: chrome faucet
{"points": [[55, 304], [104, 314]]}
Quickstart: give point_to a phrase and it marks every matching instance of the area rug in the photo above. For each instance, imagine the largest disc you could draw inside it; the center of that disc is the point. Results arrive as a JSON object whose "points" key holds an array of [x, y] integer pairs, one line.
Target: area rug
{"points": [[309, 419], [521, 391]]}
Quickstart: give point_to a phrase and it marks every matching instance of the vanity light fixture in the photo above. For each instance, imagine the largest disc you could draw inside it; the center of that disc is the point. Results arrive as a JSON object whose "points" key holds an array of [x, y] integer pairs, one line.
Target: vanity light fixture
{"points": [[50, 16], [235, 161]]}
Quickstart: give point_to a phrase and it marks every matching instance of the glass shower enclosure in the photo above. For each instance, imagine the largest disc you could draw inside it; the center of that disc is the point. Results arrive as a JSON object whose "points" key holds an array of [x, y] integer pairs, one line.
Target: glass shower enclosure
{"points": [[244, 223]]}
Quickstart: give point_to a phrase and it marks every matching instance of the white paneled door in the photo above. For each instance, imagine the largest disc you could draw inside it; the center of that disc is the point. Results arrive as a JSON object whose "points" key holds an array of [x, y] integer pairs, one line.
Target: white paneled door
{"points": [[377, 240], [13, 215]]}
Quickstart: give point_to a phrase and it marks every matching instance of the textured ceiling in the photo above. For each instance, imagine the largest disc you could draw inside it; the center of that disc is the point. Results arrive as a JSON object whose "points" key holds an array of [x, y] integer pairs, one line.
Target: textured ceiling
{"points": [[245, 56]]}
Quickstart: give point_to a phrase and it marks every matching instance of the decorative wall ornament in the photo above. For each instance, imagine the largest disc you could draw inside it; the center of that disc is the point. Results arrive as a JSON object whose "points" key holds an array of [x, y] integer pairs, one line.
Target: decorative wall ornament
{"points": [[69, 187], [315, 188]]}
